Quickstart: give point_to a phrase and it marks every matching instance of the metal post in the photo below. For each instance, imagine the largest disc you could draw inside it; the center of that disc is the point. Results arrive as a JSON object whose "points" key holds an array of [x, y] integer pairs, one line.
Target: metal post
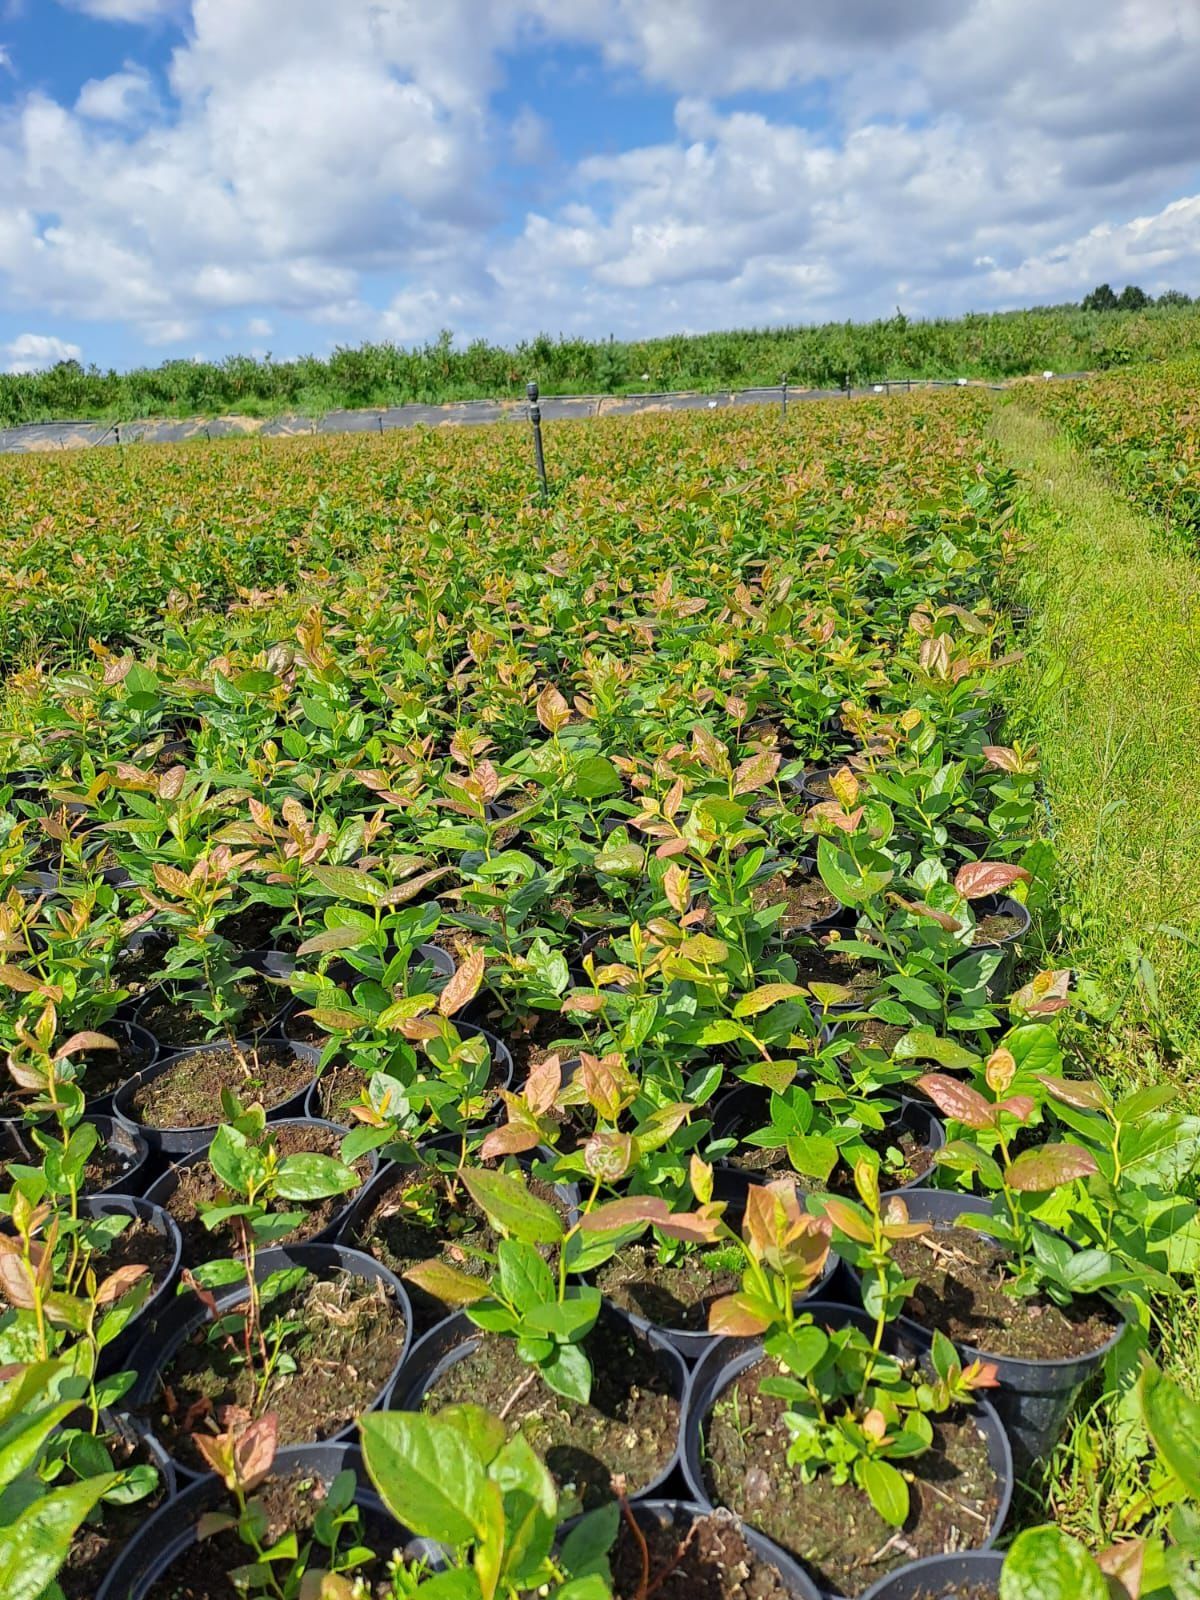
{"points": [[783, 384], [847, 384], [535, 418]]}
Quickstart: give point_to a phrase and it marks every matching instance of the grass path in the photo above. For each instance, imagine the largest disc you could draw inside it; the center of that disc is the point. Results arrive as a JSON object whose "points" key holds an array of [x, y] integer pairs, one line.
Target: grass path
{"points": [[1110, 693]]}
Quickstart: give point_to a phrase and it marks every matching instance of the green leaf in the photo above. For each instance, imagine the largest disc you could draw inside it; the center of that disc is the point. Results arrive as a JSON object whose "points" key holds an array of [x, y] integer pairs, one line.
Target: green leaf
{"points": [[346, 883], [1047, 1564], [569, 1373], [589, 1541], [530, 1508], [428, 1474], [1173, 1422], [525, 1279], [922, 1044], [595, 777], [572, 1319], [235, 1160], [885, 1488], [35, 1544], [514, 1210], [309, 1176]]}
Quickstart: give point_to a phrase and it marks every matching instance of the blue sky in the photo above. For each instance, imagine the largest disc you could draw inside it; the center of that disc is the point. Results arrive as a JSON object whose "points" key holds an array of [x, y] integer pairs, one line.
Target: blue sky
{"points": [[202, 177]]}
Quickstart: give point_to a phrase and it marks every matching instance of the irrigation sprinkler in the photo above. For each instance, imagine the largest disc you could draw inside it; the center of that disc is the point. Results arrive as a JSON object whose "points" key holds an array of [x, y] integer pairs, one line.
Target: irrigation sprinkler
{"points": [[783, 385], [535, 419]]}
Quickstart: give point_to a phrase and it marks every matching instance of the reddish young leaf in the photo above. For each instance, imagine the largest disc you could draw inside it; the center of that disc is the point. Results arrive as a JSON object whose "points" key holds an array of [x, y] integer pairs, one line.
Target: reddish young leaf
{"points": [[254, 1450], [464, 985], [1082, 1093], [957, 1100], [511, 1140], [756, 772], [1001, 756], [1040, 1170], [974, 879], [737, 1316]]}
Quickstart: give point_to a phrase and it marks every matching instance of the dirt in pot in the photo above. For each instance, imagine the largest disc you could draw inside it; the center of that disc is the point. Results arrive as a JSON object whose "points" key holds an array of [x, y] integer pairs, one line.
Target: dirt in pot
{"points": [[531, 1036], [106, 1070], [902, 1159], [996, 927], [426, 1213], [170, 1017], [818, 783], [256, 928], [833, 1528], [187, 1094], [199, 1185], [805, 900], [710, 1560], [823, 964], [347, 1343], [105, 1166], [290, 1505], [673, 1295], [972, 1591], [137, 1244], [630, 1424], [960, 1290], [100, 1539]]}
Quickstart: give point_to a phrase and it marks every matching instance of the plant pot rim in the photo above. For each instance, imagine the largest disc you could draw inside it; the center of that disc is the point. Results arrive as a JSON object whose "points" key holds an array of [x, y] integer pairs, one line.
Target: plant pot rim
{"points": [[202, 1131], [989, 1561]]}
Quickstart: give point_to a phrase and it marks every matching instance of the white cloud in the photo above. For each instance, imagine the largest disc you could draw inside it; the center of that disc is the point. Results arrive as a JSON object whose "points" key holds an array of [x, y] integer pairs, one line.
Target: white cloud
{"points": [[33, 352], [313, 159], [125, 10], [123, 97]]}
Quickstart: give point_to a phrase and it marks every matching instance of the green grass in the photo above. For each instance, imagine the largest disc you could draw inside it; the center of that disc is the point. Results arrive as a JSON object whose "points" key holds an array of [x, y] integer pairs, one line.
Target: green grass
{"points": [[1110, 695]]}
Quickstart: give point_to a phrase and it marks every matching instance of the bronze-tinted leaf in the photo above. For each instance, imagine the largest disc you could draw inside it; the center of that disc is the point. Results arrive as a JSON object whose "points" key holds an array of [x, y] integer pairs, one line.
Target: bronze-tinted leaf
{"points": [[756, 772], [447, 1283], [464, 985], [1039, 1170], [553, 712], [974, 879], [957, 1100], [118, 1284]]}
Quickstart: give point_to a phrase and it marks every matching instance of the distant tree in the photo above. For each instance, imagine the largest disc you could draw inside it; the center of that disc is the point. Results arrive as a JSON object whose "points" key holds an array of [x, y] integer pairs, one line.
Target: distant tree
{"points": [[1133, 298], [1173, 297], [1101, 298]]}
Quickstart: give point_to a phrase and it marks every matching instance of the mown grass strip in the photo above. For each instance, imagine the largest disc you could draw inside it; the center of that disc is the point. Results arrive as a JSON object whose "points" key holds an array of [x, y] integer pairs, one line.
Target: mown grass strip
{"points": [[1111, 695]]}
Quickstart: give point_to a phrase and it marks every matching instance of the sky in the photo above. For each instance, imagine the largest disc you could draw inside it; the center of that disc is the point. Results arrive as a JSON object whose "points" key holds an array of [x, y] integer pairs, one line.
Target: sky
{"points": [[183, 178]]}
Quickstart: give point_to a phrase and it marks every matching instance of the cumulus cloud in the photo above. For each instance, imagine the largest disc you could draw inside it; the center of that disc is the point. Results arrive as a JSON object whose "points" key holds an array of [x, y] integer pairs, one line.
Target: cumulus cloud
{"points": [[33, 352], [346, 165]]}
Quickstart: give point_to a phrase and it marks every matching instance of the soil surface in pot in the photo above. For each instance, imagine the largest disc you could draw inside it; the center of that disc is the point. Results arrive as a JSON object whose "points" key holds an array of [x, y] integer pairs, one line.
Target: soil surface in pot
{"points": [[712, 1561], [818, 783], [349, 1337], [255, 928], [137, 1244], [202, 1571], [670, 1296], [630, 1425], [531, 1036], [824, 965], [199, 1185], [960, 1290], [902, 1158], [997, 926], [97, 1544], [170, 1018], [425, 1214], [106, 1165], [973, 1591], [340, 1087], [805, 899], [106, 1070], [188, 1093], [833, 1528]]}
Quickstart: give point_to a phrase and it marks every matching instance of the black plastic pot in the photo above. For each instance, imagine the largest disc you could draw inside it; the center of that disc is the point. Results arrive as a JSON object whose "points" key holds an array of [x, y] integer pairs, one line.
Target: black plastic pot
{"points": [[171, 1531], [113, 1356], [116, 1426], [131, 1147], [185, 1141], [1035, 1397], [840, 917], [132, 1040], [457, 1336], [153, 1354], [679, 1516], [502, 1062], [161, 1190], [940, 1577], [392, 1173], [266, 963], [746, 1107], [999, 983], [727, 1359]]}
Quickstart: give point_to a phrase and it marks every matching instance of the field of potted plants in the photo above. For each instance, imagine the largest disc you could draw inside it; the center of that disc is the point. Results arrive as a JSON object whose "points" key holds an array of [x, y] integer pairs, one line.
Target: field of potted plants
{"points": [[528, 1065]]}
